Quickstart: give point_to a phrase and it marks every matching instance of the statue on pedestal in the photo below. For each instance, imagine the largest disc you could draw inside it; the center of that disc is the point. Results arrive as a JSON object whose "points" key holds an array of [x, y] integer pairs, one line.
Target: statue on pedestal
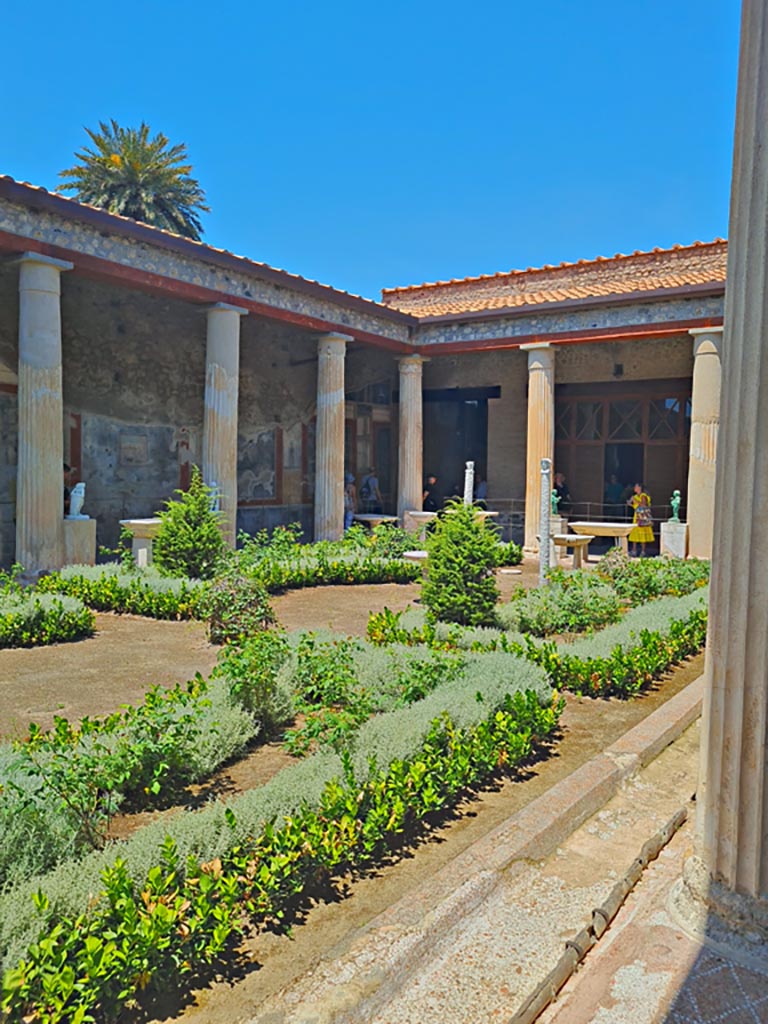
{"points": [[555, 502], [76, 499], [674, 501]]}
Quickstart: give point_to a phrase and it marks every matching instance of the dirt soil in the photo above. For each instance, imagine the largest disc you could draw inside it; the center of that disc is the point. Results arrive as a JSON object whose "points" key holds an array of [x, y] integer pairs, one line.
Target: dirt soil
{"points": [[128, 654]]}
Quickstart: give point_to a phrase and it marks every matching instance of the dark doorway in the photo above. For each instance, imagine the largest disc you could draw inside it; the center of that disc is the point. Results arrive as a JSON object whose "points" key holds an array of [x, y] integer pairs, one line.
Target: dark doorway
{"points": [[625, 462], [455, 432]]}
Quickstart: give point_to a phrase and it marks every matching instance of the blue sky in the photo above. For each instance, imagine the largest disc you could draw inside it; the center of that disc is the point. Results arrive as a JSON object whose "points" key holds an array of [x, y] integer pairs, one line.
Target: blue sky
{"points": [[370, 145]]}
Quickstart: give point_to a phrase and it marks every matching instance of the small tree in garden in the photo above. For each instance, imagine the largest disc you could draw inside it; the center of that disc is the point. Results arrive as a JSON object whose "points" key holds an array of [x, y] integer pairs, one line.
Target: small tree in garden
{"points": [[189, 541], [462, 554]]}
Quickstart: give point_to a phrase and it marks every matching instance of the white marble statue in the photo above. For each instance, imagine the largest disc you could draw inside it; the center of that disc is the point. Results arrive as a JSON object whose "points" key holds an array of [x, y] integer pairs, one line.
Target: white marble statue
{"points": [[76, 499]]}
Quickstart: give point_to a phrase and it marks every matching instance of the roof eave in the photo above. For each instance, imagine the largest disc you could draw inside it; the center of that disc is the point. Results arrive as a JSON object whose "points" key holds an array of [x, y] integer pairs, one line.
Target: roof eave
{"points": [[589, 302], [70, 209]]}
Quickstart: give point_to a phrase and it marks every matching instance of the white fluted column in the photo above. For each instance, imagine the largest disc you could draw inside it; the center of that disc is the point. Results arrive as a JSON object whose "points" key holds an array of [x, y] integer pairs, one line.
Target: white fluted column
{"points": [[40, 482], [222, 374], [705, 423], [733, 798], [329, 438], [411, 440], [541, 432]]}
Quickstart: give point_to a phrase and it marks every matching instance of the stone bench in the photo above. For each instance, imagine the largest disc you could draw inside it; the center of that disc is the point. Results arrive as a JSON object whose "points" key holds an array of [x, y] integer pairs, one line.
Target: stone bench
{"points": [[414, 556], [144, 532], [579, 543]]}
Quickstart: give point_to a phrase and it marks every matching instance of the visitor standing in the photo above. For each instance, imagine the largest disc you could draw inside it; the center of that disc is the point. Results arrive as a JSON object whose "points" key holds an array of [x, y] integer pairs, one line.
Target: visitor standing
{"points": [[561, 489], [350, 500], [370, 495], [642, 531], [430, 500]]}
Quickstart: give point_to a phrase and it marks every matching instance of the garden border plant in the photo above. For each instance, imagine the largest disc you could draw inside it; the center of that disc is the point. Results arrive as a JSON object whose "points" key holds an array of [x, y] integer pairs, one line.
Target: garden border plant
{"points": [[155, 923]]}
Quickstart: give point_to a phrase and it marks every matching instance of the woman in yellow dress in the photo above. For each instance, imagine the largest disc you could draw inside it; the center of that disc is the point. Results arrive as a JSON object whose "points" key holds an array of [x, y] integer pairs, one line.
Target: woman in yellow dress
{"points": [[642, 533]]}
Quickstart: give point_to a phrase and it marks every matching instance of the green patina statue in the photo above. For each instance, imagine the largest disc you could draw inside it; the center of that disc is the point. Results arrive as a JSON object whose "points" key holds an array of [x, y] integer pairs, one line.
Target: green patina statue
{"points": [[555, 502], [674, 501]]}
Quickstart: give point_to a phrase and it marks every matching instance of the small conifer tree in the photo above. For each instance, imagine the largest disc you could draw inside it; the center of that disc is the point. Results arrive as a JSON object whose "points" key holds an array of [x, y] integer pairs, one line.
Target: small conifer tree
{"points": [[189, 541], [462, 554]]}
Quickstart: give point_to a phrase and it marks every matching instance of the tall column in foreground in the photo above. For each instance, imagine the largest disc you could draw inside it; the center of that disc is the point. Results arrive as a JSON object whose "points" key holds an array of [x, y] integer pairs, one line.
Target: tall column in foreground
{"points": [[222, 373], [411, 446], [705, 423], [329, 441], [40, 481], [541, 432], [733, 799]]}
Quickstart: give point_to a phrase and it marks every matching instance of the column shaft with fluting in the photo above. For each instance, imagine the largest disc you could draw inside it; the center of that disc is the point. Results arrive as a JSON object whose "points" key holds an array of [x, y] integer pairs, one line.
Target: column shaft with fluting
{"points": [[705, 423], [541, 432], [329, 438], [410, 476], [222, 372], [40, 480], [733, 802]]}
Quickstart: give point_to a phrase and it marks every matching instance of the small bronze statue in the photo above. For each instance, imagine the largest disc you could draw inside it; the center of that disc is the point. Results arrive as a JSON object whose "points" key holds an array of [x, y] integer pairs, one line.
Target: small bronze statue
{"points": [[674, 501], [555, 502]]}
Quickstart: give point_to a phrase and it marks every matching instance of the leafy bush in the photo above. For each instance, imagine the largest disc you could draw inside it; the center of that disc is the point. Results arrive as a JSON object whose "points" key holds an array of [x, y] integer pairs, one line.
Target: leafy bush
{"points": [[509, 553], [460, 586], [143, 592], [29, 619], [165, 910], [638, 580], [568, 603], [189, 541], [236, 606], [251, 671]]}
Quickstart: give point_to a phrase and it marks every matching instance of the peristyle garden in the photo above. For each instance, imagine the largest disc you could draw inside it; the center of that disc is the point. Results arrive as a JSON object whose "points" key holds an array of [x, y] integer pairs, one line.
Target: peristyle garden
{"points": [[383, 732]]}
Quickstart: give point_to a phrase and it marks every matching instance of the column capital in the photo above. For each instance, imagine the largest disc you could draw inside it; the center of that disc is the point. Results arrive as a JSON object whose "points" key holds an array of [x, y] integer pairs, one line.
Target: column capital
{"points": [[332, 344], [48, 261], [707, 341], [411, 364], [225, 307], [541, 355]]}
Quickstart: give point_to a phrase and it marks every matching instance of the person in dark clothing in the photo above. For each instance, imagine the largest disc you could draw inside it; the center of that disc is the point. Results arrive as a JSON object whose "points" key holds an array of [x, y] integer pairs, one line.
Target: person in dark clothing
{"points": [[67, 490], [561, 489], [430, 499]]}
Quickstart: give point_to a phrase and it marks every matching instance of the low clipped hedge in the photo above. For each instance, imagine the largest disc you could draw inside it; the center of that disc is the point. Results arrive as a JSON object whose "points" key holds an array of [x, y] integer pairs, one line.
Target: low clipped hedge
{"points": [[112, 588], [30, 619], [142, 592], [618, 660], [169, 903]]}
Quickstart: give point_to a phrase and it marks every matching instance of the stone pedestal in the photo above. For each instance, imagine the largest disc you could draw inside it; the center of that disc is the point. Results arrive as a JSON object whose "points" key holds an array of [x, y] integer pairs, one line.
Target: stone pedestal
{"points": [[79, 541], [705, 423], [410, 476], [541, 433], [732, 804], [40, 481], [144, 532], [329, 442], [222, 370], [674, 539]]}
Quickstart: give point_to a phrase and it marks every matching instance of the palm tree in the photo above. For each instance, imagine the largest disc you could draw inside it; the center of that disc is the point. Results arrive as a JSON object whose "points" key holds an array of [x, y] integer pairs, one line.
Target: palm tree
{"points": [[145, 178]]}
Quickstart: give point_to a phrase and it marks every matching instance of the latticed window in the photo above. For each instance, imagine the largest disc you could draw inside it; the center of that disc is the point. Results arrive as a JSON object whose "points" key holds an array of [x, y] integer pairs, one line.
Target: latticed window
{"points": [[663, 419], [589, 421], [625, 420]]}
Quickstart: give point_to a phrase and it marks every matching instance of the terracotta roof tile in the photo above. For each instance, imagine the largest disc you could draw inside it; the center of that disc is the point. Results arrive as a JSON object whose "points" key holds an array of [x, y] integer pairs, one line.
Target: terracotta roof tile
{"points": [[677, 267]]}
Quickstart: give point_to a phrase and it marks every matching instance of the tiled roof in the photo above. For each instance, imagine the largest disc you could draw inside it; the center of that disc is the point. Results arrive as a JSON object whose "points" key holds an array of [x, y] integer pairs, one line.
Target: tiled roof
{"points": [[702, 263], [25, 192]]}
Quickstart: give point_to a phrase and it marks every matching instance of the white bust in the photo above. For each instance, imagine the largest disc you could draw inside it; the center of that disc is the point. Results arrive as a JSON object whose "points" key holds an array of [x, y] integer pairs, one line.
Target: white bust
{"points": [[76, 499]]}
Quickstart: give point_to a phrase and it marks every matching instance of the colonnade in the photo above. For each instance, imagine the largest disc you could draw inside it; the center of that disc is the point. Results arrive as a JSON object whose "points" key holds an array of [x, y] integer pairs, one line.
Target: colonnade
{"points": [[39, 506]]}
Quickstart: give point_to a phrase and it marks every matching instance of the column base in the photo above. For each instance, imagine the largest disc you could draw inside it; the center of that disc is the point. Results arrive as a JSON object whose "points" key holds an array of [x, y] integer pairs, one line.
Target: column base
{"points": [[716, 914]]}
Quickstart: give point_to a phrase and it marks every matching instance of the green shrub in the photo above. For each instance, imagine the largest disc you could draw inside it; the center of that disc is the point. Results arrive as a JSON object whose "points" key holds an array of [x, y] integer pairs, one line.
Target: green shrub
{"points": [[189, 541], [638, 580], [251, 671], [143, 592], [567, 603], [236, 605], [460, 586], [30, 619], [508, 553]]}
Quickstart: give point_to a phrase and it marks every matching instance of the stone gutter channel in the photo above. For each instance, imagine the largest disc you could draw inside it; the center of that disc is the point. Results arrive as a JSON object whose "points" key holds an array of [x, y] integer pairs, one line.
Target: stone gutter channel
{"points": [[479, 940]]}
